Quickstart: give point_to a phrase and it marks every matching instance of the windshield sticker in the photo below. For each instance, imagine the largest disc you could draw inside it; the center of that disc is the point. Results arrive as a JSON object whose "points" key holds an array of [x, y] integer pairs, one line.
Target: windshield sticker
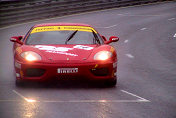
{"points": [[53, 48], [83, 47], [62, 28], [62, 50], [58, 52]]}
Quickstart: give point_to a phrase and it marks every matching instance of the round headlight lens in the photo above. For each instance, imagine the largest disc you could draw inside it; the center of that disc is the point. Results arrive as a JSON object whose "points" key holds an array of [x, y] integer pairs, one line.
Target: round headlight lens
{"points": [[103, 55], [31, 56]]}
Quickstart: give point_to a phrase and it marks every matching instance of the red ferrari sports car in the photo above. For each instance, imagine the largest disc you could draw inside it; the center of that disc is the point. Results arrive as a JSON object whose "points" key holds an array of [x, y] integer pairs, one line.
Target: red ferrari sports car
{"points": [[63, 51]]}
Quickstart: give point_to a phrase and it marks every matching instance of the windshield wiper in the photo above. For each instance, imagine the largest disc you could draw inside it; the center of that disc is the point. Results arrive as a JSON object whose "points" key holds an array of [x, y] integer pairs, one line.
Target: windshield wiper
{"points": [[95, 38], [71, 36]]}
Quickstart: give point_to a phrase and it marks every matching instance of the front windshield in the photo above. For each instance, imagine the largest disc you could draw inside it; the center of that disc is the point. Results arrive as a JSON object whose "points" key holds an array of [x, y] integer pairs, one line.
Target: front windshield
{"points": [[63, 35]]}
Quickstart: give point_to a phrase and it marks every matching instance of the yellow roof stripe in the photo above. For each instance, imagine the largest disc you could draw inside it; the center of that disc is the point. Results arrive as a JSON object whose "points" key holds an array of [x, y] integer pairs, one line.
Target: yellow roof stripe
{"points": [[62, 28]]}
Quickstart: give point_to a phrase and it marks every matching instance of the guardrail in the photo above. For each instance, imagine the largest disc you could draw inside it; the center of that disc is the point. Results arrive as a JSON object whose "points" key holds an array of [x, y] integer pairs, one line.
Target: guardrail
{"points": [[24, 11]]}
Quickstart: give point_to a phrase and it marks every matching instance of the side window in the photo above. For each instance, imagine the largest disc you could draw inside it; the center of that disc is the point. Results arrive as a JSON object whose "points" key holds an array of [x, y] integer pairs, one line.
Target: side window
{"points": [[100, 39]]}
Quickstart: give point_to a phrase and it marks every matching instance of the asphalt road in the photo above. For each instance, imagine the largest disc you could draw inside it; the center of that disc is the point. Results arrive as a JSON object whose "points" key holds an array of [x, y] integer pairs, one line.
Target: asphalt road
{"points": [[146, 70]]}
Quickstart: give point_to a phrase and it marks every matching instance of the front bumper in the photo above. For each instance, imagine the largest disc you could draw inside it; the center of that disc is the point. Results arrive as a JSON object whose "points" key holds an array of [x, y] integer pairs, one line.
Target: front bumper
{"points": [[49, 71]]}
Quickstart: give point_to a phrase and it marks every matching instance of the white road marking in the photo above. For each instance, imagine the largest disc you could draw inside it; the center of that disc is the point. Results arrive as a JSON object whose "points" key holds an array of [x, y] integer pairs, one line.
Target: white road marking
{"points": [[111, 26], [108, 26], [129, 55], [171, 19], [143, 28], [83, 101], [95, 101], [126, 41], [137, 15], [140, 98], [175, 35], [26, 99], [19, 94]]}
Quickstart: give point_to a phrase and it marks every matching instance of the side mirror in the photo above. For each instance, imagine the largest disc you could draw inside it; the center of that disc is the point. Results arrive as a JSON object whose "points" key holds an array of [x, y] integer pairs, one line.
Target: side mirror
{"points": [[17, 39], [112, 39]]}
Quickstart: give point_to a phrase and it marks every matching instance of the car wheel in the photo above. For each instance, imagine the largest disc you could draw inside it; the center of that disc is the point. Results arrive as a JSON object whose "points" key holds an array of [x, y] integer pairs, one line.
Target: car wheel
{"points": [[111, 83], [19, 83]]}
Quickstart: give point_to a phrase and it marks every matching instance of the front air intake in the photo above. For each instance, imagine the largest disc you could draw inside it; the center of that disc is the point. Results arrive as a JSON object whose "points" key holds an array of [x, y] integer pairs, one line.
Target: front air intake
{"points": [[100, 71], [34, 72]]}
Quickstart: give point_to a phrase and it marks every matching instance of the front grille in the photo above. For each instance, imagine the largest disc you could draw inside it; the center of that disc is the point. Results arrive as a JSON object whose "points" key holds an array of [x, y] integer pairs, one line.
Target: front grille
{"points": [[100, 71], [34, 72], [66, 77]]}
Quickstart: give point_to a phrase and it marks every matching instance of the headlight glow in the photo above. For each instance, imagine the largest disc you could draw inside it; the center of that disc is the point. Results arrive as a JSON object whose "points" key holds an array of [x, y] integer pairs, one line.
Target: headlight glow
{"points": [[103, 55], [31, 56]]}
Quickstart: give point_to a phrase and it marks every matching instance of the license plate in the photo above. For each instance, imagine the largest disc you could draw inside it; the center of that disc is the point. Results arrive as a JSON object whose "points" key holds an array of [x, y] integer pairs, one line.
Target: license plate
{"points": [[67, 70]]}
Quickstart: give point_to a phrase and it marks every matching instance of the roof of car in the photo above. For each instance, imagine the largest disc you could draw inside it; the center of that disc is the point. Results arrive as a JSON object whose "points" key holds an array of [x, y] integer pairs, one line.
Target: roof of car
{"points": [[61, 24]]}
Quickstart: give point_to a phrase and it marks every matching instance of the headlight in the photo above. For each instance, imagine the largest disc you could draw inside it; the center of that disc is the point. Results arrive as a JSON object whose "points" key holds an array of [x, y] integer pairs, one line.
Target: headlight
{"points": [[31, 56], [103, 55]]}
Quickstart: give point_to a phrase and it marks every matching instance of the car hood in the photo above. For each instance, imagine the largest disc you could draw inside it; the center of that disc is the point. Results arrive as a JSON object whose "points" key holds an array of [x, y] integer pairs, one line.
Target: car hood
{"points": [[55, 53]]}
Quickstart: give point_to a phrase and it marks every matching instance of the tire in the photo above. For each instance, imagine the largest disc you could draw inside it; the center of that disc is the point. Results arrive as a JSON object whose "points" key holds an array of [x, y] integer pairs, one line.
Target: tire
{"points": [[19, 83], [111, 83]]}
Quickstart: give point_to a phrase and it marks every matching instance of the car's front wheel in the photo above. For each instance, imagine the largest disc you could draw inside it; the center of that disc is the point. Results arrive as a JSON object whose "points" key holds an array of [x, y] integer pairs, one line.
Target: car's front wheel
{"points": [[19, 83], [111, 83]]}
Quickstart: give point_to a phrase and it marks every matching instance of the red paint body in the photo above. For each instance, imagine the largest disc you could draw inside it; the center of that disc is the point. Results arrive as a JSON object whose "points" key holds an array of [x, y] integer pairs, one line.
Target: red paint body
{"points": [[68, 56]]}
